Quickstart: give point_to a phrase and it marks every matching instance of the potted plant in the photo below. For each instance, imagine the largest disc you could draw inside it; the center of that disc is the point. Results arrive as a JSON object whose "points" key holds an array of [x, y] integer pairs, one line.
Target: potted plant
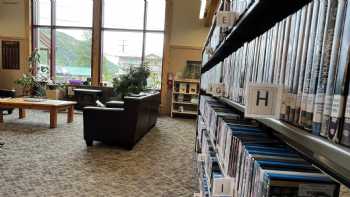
{"points": [[54, 90], [27, 84], [30, 85], [134, 81]]}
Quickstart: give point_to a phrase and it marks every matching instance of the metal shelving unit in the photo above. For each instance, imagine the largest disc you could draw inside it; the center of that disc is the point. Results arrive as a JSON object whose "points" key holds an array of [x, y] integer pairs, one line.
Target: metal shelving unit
{"points": [[261, 16], [331, 158]]}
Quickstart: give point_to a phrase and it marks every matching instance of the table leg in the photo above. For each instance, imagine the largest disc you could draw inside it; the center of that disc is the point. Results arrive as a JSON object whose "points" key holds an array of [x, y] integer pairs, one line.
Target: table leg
{"points": [[1, 117], [70, 115], [22, 113], [53, 118]]}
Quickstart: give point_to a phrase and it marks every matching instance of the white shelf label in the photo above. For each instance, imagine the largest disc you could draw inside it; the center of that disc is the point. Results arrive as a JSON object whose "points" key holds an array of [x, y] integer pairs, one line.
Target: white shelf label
{"points": [[263, 100], [225, 19], [223, 187]]}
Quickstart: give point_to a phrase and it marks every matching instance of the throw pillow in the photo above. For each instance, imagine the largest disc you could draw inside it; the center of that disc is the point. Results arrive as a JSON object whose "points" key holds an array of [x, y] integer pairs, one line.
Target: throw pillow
{"points": [[100, 104]]}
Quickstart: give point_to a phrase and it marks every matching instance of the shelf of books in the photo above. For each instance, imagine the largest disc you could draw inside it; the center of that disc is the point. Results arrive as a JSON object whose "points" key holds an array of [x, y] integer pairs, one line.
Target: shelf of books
{"points": [[263, 14], [305, 50], [185, 97]]}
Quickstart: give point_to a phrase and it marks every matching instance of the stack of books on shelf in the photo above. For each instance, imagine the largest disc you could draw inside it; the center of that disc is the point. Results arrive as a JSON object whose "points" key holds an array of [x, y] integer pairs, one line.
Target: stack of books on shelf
{"points": [[258, 163], [308, 54]]}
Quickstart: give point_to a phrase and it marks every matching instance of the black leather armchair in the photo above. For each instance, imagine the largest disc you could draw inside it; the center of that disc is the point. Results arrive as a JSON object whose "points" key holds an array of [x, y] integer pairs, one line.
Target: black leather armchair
{"points": [[123, 126], [6, 94]]}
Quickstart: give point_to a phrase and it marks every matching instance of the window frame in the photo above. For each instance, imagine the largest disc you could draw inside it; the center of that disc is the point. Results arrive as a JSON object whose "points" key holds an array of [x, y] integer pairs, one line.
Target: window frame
{"points": [[100, 28], [53, 27], [144, 32]]}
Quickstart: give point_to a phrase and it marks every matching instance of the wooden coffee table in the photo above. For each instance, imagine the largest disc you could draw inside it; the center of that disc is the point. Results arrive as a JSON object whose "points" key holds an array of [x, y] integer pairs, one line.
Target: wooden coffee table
{"points": [[51, 105]]}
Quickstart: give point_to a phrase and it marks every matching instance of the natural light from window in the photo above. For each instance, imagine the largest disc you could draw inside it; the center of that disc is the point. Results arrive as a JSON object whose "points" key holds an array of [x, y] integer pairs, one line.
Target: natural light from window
{"points": [[132, 34]]}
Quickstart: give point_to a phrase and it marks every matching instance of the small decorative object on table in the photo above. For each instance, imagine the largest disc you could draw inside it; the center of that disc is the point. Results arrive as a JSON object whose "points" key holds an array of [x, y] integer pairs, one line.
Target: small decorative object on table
{"points": [[54, 90], [75, 82]]}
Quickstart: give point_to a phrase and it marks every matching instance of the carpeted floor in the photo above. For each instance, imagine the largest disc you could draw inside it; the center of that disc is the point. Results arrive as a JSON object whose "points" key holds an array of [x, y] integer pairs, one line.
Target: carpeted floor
{"points": [[37, 161]]}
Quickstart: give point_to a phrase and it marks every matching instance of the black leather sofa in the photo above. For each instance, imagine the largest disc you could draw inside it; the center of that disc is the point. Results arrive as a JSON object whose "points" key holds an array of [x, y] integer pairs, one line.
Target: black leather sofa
{"points": [[6, 94], [123, 126]]}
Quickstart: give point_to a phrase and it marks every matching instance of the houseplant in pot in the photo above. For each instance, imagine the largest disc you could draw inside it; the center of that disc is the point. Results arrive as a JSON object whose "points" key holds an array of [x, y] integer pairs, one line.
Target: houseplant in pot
{"points": [[29, 83], [133, 82]]}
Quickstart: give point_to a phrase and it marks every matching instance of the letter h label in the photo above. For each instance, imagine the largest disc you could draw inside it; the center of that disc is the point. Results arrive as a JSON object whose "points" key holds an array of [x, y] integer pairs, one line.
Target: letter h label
{"points": [[259, 98]]}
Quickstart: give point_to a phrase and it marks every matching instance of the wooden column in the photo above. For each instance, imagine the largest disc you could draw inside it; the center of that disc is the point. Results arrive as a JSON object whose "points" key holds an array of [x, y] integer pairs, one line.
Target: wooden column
{"points": [[96, 51], [166, 53]]}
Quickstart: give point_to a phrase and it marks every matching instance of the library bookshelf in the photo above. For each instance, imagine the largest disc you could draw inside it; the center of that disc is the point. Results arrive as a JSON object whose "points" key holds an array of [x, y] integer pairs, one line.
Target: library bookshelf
{"points": [[184, 98], [257, 23]]}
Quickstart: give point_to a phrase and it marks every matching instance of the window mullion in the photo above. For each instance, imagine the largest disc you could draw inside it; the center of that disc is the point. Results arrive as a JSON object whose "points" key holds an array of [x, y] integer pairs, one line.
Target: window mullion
{"points": [[144, 32], [53, 40]]}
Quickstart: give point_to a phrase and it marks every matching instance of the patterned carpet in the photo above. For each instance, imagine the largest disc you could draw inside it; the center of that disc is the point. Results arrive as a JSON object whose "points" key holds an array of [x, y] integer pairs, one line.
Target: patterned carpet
{"points": [[37, 161]]}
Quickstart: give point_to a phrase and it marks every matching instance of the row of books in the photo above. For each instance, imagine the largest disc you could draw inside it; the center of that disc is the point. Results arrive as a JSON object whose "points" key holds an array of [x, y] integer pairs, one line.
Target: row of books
{"points": [[259, 163], [203, 180], [209, 160], [307, 53], [219, 33]]}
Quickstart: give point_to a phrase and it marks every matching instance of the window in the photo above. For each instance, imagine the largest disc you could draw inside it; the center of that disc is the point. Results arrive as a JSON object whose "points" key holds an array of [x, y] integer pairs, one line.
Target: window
{"points": [[123, 14], [73, 54], [154, 57], [133, 33], [63, 37], [120, 49]]}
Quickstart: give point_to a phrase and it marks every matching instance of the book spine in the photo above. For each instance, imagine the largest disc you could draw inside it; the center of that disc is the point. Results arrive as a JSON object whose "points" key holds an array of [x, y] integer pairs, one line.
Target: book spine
{"points": [[274, 51], [278, 53], [327, 109], [303, 63], [341, 88], [345, 138], [316, 61], [291, 51], [297, 73], [331, 15], [308, 68], [284, 65], [256, 59], [261, 60], [269, 55]]}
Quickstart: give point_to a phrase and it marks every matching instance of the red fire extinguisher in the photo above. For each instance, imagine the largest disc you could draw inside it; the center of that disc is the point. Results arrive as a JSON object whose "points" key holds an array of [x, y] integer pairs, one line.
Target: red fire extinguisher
{"points": [[170, 81]]}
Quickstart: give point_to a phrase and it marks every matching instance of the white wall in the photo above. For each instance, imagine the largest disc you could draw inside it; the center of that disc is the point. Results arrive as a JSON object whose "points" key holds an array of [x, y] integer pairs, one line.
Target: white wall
{"points": [[12, 19], [13, 27], [186, 28]]}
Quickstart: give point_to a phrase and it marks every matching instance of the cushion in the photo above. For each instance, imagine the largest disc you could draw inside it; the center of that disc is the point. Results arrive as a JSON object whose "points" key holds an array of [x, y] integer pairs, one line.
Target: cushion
{"points": [[115, 104], [100, 104]]}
